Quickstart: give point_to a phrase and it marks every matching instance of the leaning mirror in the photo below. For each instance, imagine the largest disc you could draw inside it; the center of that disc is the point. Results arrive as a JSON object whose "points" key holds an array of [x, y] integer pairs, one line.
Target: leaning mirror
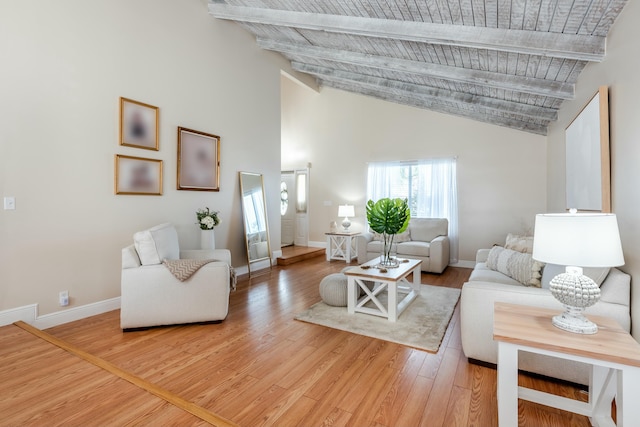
{"points": [[256, 229]]}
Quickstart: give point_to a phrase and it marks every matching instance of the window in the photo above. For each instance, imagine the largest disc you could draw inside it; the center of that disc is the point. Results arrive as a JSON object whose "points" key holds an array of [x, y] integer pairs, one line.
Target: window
{"points": [[254, 210], [284, 198], [301, 192], [428, 185]]}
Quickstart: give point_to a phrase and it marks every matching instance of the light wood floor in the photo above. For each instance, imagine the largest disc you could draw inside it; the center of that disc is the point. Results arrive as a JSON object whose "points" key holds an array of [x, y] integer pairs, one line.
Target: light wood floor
{"points": [[261, 367]]}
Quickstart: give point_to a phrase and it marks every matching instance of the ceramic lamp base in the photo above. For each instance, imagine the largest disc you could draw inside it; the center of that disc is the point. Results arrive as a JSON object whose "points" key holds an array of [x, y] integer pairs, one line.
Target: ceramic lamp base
{"points": [[572, 320], [576, 292]]}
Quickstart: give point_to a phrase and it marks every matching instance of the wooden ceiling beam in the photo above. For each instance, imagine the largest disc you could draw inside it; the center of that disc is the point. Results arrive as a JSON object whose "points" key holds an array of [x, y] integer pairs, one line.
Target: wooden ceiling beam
{"points": [[433, 105], [530, 85], [570, 46], [403, 88]]}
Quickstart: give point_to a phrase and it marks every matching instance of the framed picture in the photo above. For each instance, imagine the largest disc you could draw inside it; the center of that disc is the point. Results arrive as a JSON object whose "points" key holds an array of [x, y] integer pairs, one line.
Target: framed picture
{"points": [[138, 125], [198, 160], [137, 175], [587, 163]]}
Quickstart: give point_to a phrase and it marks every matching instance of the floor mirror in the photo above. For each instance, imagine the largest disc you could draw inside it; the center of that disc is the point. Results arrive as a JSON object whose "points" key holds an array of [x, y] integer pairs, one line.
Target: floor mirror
{"points": [[256, 227]]}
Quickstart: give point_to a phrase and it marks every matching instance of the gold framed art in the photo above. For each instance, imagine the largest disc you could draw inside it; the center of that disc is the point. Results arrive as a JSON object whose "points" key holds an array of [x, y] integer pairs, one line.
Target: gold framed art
{"points": [[198, 160], [138, 125], [138, 176]]}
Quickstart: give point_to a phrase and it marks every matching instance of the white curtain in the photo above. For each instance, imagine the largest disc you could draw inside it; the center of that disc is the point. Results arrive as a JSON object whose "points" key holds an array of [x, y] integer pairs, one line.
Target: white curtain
{"points": [[429, 185]]}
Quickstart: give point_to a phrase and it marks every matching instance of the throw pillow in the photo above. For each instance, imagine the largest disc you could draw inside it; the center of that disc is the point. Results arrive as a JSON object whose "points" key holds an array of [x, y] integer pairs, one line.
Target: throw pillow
{"points": [[597, 274], [517, 265], [519, 243], [157, 244], [405, 236]]}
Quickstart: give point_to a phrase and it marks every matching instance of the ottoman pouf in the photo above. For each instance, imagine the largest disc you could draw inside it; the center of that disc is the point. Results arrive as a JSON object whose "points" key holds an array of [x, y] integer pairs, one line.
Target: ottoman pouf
{"points": [[333, 290]]}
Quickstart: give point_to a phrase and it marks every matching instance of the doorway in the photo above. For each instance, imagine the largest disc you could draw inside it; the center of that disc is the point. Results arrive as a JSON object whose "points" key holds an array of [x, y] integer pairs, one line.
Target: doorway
{"points": [[294, 206]]}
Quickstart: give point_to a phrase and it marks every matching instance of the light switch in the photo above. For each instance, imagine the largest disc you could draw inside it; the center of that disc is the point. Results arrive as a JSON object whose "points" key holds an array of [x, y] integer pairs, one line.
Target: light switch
{"points": [[9, 203]]}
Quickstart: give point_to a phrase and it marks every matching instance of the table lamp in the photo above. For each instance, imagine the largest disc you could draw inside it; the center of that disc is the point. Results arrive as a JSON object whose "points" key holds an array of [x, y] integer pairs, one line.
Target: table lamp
{"points": [[346, 211], [576, 240]]}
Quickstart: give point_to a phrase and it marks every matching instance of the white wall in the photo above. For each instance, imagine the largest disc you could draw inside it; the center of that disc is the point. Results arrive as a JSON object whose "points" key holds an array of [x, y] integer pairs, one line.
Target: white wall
{"points": [[501, 172], [64, 66], [619, 71]]}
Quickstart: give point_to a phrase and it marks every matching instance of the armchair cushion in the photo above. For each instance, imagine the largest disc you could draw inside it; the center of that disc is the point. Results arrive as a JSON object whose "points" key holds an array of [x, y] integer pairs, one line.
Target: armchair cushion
{"points": [[415, 248], [156, 244], [427, 229]]}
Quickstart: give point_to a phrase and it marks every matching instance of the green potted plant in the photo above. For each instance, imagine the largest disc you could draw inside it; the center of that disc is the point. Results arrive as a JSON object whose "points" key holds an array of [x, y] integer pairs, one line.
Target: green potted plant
{"points": [[388, 217]]}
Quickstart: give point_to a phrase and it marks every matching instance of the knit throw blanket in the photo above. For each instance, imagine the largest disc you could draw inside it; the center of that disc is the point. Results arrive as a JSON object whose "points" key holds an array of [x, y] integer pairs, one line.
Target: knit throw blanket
{"points": [[182, 269]]}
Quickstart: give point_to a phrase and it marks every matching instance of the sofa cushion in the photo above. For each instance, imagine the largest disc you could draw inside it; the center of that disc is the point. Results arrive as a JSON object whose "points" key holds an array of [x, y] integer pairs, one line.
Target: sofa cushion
{"points": [[517, 265], [552, 270], [414, 248], [482, 273], [427, 229], [157, 244], [519, 243]]}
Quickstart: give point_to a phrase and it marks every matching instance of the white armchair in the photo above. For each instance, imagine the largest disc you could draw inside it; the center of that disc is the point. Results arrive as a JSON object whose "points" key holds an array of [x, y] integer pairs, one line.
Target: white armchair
{"points": [[153, 296], [426, 239]]}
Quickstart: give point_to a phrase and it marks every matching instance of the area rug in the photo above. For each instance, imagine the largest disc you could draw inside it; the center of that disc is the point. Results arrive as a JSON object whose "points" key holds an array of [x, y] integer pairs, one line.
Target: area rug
{"points": [[422, 325]]}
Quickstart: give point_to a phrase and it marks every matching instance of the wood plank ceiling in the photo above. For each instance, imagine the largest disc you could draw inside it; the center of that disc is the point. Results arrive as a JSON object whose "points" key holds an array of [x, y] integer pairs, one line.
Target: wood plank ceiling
{"points": [[506, 62]]}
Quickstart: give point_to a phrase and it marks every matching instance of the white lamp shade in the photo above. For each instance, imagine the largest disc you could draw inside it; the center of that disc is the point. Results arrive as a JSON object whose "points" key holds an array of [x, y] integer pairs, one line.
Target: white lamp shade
{"points": [[578, 239], [346, 211]]}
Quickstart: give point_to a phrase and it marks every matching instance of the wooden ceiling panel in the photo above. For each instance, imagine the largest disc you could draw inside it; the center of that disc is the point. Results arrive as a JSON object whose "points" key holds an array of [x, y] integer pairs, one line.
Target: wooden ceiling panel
{"points": [[506, 62]]}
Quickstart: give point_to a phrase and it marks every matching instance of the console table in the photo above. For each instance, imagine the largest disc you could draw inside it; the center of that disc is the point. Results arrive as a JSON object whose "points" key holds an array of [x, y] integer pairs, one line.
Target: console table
{"points": [[613, 354], [342, 245]]}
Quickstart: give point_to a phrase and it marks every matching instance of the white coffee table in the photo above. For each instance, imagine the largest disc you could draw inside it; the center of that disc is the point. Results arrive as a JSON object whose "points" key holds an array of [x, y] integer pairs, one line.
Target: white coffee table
{"points": [[393, 281]]}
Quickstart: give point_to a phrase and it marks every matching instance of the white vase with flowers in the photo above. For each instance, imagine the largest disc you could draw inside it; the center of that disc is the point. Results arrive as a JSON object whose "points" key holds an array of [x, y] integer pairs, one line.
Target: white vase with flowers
{"points": [[207, 220]]}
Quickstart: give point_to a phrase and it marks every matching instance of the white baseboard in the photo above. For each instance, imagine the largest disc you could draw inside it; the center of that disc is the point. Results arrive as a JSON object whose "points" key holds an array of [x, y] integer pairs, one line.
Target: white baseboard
{"points": [[317, 244], [29, 314]]}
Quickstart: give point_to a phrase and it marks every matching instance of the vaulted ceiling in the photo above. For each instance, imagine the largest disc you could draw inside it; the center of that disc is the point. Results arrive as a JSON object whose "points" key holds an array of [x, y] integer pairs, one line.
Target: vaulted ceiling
{"points": [[507, 62]]}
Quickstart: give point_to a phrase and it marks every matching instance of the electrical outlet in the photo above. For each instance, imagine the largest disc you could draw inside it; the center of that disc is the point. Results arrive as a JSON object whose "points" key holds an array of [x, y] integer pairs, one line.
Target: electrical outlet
{"points": [[9, 203], [63, 298]]}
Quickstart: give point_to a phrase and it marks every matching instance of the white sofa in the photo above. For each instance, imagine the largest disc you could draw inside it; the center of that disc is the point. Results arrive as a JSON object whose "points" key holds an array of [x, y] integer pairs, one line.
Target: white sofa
{"points": [[426, 239], [153, 296], [486, 286]]}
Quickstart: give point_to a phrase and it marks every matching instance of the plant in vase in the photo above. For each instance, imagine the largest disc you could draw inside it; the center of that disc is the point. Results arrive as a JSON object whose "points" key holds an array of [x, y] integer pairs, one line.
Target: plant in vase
{"points": [[207, 220], [388, 217]]}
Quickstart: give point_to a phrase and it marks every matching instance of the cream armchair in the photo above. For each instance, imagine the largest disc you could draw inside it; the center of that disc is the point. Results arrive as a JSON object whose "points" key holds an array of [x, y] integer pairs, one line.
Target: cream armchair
{"points": [[426, 239], [153, 296]]}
